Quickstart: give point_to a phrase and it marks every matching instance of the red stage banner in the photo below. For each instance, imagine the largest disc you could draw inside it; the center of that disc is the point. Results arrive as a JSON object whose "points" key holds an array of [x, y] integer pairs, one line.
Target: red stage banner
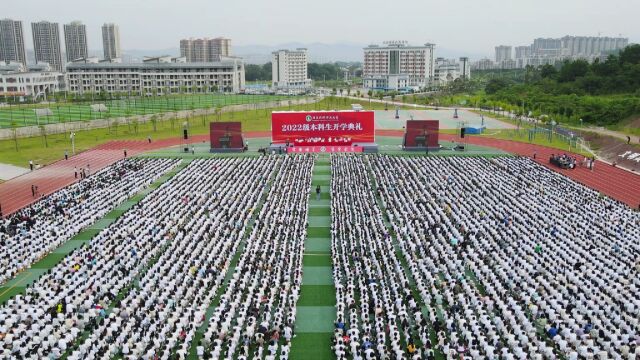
{"points": [[321, 149], [421, 133], [322, 128], [226, 135]]}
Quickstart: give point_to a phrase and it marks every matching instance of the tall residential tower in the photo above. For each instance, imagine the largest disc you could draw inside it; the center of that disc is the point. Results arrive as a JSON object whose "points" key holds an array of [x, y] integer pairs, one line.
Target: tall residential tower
{"points": [[75, 40], [205, 49], [12, 41], [46, 44], [111, 41]]}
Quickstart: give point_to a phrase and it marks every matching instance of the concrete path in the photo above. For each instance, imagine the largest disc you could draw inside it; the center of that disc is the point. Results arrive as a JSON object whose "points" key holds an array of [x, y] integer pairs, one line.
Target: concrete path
{"points": [[616, 134], [8, 171]]}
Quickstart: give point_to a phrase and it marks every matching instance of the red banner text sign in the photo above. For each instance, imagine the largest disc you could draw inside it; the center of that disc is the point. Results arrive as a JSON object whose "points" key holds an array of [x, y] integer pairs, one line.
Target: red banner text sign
{"points": [[322, 128]]}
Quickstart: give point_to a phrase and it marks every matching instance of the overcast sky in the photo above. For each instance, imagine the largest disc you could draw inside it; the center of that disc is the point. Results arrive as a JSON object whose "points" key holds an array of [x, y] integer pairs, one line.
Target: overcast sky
{"points": [[475, 26]]}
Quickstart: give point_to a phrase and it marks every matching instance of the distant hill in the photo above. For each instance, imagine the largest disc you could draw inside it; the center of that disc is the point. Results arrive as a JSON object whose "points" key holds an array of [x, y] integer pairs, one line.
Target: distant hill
{"points": [[261, 54], [323, 53]]}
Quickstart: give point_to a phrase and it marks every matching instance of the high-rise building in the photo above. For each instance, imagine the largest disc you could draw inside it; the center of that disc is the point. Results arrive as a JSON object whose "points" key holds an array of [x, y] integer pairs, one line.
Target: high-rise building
{"points": [[397, 65], [205, 49], [111, 41], [12, 41], [289, 68], [503, 53], [522, 52], [484, 64], [588, 46], [551, 51], [546, 47], [46, 44], [221, 46], [75, 40]]}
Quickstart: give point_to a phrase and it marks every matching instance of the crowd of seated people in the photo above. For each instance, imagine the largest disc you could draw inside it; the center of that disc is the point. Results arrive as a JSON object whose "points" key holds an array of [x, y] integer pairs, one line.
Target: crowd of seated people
{"points": [[486, 259], [31, 233], [159, 317], [377, 316], [80, 292], [518, 262], [256, 314], [563, 161]]}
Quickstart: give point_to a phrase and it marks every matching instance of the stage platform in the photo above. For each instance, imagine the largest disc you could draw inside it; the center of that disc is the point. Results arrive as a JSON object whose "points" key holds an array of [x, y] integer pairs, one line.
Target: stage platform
{"points": [[369, 148], [226, 151], [421, 148]]}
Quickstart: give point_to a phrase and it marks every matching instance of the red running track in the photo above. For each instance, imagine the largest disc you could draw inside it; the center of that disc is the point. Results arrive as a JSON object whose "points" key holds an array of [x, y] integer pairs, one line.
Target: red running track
{"points": [[16, 193]]}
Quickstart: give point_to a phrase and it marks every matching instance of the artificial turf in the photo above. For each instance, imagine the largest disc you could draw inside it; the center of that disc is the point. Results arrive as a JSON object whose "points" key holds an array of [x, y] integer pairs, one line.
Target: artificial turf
{"points": [[25, 115]]}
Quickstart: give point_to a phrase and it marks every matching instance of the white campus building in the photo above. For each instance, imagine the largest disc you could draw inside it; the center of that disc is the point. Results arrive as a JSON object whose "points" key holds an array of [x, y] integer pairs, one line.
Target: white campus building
{"points": [[156, 75], [289, 68], [448, 70], [16, 79], [397, 66]]}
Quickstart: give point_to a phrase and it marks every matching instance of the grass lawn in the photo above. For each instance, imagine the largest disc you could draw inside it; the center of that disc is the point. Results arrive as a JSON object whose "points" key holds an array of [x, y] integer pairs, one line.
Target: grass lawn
{"points": [[24, 115], [47, 150]]}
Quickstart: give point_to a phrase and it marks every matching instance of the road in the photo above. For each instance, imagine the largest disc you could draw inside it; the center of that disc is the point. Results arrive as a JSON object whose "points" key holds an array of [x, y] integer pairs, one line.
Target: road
{"points": [[616, 134]]}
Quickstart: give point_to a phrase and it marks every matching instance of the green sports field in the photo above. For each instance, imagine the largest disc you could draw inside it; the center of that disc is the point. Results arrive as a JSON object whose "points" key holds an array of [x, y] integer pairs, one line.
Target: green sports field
{"points": [[25, 115]]}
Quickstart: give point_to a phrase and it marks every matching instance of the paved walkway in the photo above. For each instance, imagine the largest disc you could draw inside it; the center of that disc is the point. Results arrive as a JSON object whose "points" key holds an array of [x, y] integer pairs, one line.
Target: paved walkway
{"points": [[8, 171], [616, 134], [316, 306]]}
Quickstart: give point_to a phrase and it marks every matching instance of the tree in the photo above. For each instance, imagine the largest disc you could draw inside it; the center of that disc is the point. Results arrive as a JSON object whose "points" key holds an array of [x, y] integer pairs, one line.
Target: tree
{"points": [[630, 55], [154, 122], [548, 71], [114, 125], [135, 125], [571, 70], [14, 127], [254, 72], [495, 85]]}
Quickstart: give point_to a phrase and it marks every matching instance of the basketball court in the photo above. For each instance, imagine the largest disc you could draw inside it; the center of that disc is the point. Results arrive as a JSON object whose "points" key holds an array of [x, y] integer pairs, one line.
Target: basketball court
{"points": [[385, 119]]}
